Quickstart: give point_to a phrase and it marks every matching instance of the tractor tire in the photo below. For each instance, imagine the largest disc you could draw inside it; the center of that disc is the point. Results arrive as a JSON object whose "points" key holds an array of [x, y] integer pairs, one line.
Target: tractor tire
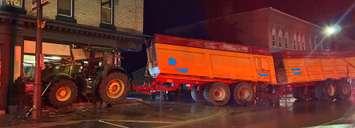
{"points": [[327, 91], [217, 94], [62, 93], [343, 90], [113, 88], [243, 94], [197, 95]]}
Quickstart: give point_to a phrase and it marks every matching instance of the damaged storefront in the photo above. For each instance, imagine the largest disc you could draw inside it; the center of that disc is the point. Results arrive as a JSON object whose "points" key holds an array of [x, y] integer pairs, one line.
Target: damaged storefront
{"points": [[17, 49]]}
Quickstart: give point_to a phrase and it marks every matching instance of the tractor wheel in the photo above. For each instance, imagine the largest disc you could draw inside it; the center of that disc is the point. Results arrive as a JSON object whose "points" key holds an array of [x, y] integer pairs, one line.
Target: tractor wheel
{"points": [[243, 94], [113, 87], [197, 95], [343, 90], [217, 94], [62, 93], [327, 91]]}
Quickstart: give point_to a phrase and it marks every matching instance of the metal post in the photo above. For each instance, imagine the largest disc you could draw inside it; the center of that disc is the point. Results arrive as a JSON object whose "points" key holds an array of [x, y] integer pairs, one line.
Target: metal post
{"points": [[37, 83]]}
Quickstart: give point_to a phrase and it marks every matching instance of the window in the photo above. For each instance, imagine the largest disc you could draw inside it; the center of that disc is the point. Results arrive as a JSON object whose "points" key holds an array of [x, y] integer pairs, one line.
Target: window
{"points": [[299, 45], [273, 37], [310, 42], [303, 40], [286, 40], [107, 11], [294, 41], [65, 8], [279, 38], [315, 46]]}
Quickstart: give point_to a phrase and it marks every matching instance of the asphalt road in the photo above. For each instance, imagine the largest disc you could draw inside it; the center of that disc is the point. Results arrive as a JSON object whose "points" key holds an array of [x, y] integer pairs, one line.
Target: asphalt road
{"points": [[190, 115]]}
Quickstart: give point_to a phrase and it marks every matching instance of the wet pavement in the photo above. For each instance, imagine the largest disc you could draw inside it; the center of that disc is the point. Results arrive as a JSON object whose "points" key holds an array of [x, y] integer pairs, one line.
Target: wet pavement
{"points": [[184, 114]]}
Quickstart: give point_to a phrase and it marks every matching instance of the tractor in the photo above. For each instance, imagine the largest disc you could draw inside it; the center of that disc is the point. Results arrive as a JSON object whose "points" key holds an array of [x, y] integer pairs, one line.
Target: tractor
{"points": [[86, 73]]}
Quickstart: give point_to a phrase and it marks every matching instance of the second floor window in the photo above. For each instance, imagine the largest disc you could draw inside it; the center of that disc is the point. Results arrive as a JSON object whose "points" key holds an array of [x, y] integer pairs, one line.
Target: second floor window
{"points": [[107, 11], [65, 8]]}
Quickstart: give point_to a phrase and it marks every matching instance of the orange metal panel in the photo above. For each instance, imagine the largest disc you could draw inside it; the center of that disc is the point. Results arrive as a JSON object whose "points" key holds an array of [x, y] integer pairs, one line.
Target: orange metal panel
{"points": [[308, 69], [350, 61], [200, 62]]}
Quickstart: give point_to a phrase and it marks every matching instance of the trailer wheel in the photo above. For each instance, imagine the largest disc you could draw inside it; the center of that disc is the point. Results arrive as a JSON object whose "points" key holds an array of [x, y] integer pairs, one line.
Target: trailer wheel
{"points": [[343, 89], [298, 93], [62, 93], [113, 88], [243, 94], [197, 94], [326, 91], [217, 94]]}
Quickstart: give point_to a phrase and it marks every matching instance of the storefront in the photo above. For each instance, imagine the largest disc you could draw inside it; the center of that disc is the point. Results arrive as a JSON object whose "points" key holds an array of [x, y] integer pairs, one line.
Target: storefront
{"points": [[6, 37], [17, 37]]}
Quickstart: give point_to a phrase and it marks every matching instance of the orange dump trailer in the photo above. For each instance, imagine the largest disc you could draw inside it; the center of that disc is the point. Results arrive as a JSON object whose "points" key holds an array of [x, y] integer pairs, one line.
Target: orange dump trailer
{"points": [[305, 68], [213, 65], [219, 72]]}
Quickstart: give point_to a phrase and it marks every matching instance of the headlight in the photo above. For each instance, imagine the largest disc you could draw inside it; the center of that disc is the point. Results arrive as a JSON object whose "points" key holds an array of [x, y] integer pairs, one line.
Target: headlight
{"points": [[154, 71]]}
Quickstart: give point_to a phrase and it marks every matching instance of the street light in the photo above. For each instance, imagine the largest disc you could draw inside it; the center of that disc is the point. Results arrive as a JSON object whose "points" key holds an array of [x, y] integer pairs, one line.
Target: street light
{"points": [[331, 30]]}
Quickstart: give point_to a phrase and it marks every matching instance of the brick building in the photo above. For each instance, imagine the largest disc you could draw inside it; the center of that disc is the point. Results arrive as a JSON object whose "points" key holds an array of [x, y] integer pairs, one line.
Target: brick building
{"points": [[267, 27], [103, 23]]}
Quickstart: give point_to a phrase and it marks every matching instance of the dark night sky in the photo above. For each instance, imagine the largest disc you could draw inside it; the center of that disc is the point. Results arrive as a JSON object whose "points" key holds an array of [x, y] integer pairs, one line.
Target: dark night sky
{"points": [[160, 15]]}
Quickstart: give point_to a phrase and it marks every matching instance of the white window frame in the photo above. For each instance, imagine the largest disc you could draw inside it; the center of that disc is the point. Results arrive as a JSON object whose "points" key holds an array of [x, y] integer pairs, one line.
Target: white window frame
{"points": [[294, 40], [303, 40], [71, 9], [112, 11], [273, 37], [279, 38], [286, 36]]}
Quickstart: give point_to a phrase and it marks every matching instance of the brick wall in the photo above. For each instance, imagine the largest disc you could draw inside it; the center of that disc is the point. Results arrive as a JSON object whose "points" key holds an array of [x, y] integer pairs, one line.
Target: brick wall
{"points": [[251, 28], [293, 25], [128, 13]]}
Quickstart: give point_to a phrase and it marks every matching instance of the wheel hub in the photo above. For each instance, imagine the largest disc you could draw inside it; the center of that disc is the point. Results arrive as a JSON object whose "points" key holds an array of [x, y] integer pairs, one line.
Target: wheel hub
{"points": [[115, 89], [63, 93], [219, 94], [245, 93], [331, 90], [346, 90]]}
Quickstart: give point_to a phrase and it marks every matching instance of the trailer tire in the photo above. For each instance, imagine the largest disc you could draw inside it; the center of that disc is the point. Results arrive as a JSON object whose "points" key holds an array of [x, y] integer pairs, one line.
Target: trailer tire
{"points": [[327, 91], [243, 94], [343, 90], [62, 93], [197, 95], [113, 87], [217, 94], [298, 93]]}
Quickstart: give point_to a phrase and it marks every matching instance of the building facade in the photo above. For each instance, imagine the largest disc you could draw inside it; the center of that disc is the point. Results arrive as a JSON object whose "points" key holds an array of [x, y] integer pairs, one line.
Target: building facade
{"points": [[267, 27], [104, 23]]}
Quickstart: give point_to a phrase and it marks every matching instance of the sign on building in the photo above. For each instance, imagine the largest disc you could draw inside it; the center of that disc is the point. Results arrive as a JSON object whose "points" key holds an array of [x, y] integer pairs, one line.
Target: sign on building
{"points": [[14, 3]]}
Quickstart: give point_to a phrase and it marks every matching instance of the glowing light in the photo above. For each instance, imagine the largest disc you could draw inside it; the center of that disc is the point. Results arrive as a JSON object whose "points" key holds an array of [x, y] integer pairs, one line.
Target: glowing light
{"points": [[331, 30]]}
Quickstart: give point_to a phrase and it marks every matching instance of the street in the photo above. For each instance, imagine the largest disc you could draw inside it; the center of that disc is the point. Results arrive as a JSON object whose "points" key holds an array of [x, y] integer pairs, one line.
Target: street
{"points": [[184, 114]]}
